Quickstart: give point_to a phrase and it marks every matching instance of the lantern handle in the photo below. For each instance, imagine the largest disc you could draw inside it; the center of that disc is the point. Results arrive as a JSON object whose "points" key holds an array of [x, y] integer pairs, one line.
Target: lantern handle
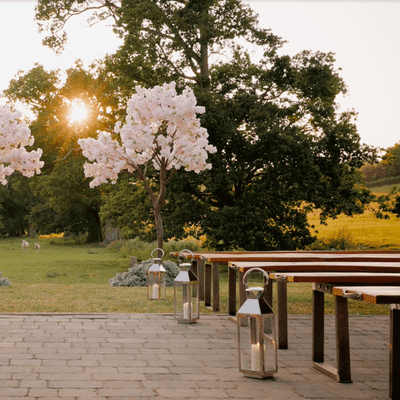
{"points": [[187, 251], [252, 270], [157, 248]]}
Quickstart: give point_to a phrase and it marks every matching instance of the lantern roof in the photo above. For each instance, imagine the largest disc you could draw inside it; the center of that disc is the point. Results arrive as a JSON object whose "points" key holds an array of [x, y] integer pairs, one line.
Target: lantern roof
{"points": [[156, 266], [186, 277], [254, 307]]}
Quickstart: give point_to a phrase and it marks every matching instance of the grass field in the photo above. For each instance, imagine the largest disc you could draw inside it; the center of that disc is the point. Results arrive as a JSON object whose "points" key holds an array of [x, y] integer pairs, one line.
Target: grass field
{"points": [[66, 277], [63, 277], [363, 231]]}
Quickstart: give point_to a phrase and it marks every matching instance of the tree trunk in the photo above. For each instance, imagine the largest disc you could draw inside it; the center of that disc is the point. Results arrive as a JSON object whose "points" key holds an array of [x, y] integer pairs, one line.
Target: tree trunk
{"points": [[159, 227], [94, 226], [111, 234]]}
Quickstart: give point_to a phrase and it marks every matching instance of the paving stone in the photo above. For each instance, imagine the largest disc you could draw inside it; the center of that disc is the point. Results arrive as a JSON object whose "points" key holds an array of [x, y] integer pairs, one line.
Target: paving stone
{"points": [[150, 356]]}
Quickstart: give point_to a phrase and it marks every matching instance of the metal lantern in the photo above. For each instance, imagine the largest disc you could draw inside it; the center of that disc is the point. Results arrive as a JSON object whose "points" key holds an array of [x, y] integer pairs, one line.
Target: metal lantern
{"points": [[257, 339], [156, 279], [186, 294]]}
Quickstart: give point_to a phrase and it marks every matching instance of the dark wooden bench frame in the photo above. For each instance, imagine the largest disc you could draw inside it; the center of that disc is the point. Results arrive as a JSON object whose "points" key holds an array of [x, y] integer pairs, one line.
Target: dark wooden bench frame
{"points": [[376, 295]]}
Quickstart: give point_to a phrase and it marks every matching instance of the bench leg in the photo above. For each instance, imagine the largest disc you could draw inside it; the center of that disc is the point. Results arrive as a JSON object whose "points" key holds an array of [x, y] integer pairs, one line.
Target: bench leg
{"points": [[394, 378], [318, 327], [268, 294], [242, 297], [232, 292], [282, 313], [200, 276], [207, 285], [215, 287], [342, 339]]}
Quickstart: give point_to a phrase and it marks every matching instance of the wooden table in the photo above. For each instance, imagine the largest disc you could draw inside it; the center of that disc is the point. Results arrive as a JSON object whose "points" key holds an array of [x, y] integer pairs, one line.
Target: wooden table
{"points": [[206, 265], [350, 267], [375, 295], [323, 283]]}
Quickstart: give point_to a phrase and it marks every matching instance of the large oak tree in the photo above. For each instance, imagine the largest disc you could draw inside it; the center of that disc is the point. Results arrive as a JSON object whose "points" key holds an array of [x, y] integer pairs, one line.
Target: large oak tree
{"points": [[283, 147]]}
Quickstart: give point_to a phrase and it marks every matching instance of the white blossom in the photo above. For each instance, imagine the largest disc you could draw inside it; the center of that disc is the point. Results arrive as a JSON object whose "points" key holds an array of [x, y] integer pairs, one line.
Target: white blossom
{"points": [[161, 127], [14, 137]]}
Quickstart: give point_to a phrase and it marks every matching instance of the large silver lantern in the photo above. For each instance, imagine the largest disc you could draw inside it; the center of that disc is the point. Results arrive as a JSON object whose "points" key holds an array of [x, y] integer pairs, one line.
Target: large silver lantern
{"points": [[257, 339], [156, 275], [186, 293]]}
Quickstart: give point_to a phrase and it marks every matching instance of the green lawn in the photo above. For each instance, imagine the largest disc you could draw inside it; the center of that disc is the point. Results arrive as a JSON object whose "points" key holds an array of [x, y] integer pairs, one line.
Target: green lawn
{"points": [[64, 277]]}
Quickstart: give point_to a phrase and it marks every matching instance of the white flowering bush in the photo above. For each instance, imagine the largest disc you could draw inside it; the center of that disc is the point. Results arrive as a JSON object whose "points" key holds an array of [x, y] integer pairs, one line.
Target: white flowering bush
{"points": [[137, 275], [161, 128], [14, 137]]}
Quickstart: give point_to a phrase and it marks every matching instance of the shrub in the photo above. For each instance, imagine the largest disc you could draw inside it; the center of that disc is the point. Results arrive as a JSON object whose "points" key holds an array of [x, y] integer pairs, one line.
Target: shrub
{"points": [[137, 275], [4, 281], [340, 239]]}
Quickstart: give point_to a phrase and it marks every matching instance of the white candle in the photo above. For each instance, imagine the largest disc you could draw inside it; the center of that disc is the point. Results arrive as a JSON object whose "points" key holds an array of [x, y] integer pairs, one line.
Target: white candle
{"points": [[156, 291], [185, 310], [255, 357]]}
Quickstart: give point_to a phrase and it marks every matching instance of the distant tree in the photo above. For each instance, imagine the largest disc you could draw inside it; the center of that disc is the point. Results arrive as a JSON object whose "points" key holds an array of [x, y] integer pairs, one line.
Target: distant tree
{"points": [[391, 160], [16, 201], [69, 205], [64, 203], [50, 98], [128, 206], [15, 140]]}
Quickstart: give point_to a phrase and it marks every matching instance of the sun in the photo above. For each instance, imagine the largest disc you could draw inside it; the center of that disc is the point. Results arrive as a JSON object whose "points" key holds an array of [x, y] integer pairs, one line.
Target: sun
{"points": [[78, 112]]}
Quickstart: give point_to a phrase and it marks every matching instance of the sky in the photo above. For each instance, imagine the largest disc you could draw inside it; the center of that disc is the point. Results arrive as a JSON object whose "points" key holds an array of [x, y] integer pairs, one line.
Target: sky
{"points": [[364, 35]]}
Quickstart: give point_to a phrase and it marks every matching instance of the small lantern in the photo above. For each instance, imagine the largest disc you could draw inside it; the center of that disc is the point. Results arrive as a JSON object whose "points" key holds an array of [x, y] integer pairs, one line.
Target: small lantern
{"points": [[156, 279], [186, 294], [257, 340]]}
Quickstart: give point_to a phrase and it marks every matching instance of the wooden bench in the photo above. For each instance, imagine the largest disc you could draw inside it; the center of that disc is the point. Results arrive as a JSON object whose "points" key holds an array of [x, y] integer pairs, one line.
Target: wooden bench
{"points": [[321, 279], [325, 282], [207, 264], [352, 264], [376, 295]]}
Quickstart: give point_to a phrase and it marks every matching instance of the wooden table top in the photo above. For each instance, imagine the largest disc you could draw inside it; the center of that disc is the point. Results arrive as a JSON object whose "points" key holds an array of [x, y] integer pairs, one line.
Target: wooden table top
{"points": [[333, 277], [371, 294], [225, 256], [287, 257], [349, 265]]}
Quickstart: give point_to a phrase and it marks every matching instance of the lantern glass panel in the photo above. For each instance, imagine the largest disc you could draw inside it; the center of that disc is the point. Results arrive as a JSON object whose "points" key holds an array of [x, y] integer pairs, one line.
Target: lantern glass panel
{"points": [[156, 282], [186, 302], [257, 346]]}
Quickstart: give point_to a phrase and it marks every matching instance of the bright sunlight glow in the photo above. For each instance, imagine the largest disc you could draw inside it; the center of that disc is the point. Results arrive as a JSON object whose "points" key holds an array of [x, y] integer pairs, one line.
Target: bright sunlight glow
{"points": [[78, 112]]}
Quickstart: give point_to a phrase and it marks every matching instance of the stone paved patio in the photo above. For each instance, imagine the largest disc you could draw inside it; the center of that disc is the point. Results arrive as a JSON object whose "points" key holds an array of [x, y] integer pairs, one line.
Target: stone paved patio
{"points": [[150, 356]]}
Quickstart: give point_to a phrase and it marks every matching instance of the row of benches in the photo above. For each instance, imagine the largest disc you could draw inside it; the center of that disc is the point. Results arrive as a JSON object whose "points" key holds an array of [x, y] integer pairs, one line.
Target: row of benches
{"points": [[366, 276]]}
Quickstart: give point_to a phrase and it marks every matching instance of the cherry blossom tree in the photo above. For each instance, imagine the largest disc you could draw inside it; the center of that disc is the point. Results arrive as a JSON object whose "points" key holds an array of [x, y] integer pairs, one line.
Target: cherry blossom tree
{"points": [[14, 137], [161, 131]]}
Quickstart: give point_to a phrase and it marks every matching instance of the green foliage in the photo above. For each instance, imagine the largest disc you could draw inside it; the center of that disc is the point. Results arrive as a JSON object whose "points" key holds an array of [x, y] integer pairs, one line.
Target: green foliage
{"points": [[69, 203], [16, 200], [341, 239], [128, 206], [385, 172], [383, 182]]}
